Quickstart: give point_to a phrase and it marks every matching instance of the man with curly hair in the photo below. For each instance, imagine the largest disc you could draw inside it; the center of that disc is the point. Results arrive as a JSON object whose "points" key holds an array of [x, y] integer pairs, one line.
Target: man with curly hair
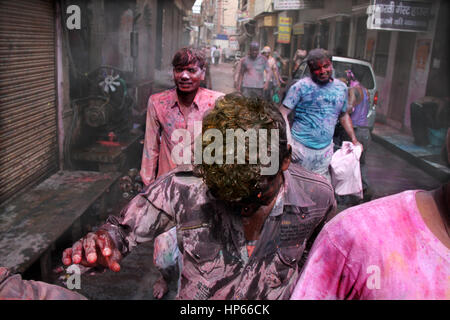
{"points": [[242, 234]]}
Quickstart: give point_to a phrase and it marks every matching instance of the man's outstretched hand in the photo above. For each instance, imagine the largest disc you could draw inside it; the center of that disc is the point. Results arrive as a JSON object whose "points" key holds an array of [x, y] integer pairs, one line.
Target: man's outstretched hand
{"points": [[95, 249]]}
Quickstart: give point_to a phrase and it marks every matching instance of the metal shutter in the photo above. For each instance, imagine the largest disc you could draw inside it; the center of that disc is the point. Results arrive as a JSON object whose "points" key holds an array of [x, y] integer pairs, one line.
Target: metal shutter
{"points": [[28, 112]]}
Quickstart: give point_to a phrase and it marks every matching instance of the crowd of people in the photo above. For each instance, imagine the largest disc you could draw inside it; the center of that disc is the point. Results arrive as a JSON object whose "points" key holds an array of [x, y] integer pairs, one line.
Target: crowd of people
{"points": [[235, 232]]}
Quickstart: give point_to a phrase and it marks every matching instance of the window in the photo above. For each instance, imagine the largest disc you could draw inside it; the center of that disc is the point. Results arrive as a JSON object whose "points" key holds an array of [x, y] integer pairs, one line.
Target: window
{"points": [[362, 72], [308, 37], [382, 53], [324, 28]]}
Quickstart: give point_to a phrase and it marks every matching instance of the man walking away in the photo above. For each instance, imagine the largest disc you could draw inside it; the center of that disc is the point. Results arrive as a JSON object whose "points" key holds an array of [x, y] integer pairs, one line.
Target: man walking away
{"points": [[251, 73], [275, 81]]}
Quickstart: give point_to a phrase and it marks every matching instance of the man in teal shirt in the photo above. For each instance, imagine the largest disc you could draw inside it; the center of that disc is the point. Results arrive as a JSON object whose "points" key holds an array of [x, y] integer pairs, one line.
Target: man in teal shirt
{"points": [[318, 102]]}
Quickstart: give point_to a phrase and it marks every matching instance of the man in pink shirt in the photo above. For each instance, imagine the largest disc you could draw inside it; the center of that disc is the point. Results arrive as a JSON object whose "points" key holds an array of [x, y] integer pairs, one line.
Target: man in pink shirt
{"points": [[173, 109], [177, 108], [393, 248]]}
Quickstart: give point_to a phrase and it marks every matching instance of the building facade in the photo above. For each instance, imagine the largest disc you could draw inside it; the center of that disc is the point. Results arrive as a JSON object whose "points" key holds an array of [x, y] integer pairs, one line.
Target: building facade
{"points": [[51, 51], [406, 60]]}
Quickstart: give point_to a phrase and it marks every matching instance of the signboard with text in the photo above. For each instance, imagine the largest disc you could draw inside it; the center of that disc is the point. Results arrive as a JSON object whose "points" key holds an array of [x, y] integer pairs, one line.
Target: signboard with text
{"points": [[298, 28], [233, 43], [399, 15], [270, 21], [284, 29], [297, 4]]}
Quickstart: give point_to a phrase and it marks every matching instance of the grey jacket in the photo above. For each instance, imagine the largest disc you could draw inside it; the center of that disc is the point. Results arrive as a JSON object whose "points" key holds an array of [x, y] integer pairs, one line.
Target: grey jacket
{"points": [[211, 238]]}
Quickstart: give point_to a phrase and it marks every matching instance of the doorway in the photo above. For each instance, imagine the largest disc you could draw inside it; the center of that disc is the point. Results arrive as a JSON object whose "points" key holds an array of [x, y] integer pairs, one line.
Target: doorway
{"points": [[400, 80]]}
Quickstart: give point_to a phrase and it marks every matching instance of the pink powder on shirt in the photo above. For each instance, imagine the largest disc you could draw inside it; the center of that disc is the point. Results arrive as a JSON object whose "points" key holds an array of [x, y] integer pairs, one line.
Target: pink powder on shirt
{"points": [[164, 115], [379, 250]]}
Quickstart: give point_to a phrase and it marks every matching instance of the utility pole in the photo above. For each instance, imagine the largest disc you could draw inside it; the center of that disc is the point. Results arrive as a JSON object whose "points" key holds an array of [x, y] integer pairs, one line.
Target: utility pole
{"points": [[200, 23], [199, 29]]}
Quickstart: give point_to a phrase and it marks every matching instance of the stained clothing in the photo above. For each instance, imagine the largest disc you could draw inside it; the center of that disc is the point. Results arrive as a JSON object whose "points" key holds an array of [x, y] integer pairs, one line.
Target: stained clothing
{"points": [[359, 115], [206, 83], [362, 132], [253, 71], [253, 92], [216, 263], [317, 109], [12, 287], [164, 116], [274, 83], [275, 78], [379, 250], [315, 160]]}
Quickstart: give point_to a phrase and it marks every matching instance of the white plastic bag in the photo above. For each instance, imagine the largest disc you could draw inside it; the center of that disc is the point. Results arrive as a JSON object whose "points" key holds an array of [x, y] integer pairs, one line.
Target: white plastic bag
{"points": [[345, 170]]}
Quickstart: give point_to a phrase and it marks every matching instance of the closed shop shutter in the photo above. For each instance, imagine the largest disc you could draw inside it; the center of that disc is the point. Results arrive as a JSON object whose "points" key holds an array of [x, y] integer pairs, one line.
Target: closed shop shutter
{"points": [[28, 112]]}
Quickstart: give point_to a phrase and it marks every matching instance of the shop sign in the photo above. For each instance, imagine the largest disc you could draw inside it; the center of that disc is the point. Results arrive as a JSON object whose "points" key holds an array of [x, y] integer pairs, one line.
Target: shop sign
{"points": [[297, 4], [270, 21], [399, 15], [298, 28], [284, 29], [233, 43]]}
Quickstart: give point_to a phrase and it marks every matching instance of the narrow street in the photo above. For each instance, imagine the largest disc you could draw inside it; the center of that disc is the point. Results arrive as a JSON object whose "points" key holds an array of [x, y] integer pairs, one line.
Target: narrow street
{"points": [[222, 77], [85, 105], [387, 174]]}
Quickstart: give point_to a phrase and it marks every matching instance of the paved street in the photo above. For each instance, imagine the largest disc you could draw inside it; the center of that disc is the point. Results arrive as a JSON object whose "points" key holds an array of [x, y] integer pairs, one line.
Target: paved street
{"points": [[222, 77], [387, 174]]}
